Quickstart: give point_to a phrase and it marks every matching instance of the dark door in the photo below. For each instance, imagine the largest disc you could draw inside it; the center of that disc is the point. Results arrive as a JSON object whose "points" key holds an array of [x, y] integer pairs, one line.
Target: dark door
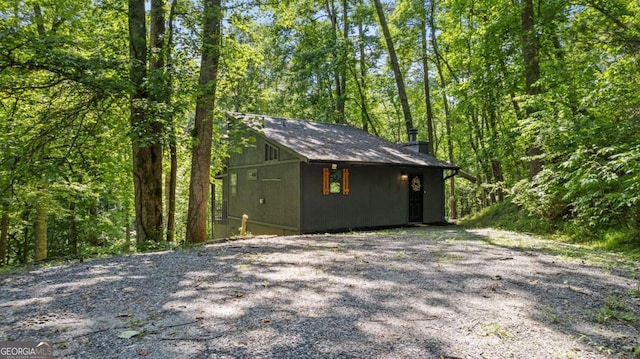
{"points": [[415, 198]]}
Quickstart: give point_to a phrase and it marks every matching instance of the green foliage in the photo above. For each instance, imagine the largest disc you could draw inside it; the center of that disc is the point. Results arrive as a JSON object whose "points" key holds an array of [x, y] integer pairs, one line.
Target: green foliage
{"points": [[61, 89], [510, 216], [615, 307], [64, 106]]}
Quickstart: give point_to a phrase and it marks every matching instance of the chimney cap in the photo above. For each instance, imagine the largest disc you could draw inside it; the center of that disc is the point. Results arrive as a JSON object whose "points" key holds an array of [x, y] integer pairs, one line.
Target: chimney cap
{"points": [[413, 134]]}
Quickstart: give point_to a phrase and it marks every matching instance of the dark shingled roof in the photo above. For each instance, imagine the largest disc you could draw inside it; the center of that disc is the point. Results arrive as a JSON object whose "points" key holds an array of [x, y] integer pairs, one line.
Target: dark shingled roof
{"points": [[324, 142]]}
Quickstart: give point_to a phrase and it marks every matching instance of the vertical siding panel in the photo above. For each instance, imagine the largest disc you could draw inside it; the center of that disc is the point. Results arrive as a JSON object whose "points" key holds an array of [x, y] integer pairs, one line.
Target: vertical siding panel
{"points": [[376, 197]]}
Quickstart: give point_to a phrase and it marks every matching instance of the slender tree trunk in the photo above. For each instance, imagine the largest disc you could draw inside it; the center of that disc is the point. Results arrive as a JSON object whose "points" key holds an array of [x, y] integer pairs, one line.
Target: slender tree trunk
{"points": [[40, 226], [453, 209], [425, 78], [496, 169], [127, 232], [496, 162], [360, 78], [73, 228], [39, 20], [342, 75], [201, 154], [146, 134], [173, 151], [532, 75], [393, 58], [173, 182], [340, 56], [92, 236], [24, 248], [4, 234], [362, 88]]}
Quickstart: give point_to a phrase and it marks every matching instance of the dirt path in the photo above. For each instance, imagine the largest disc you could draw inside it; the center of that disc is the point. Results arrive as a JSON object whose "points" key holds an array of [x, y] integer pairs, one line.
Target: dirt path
{"points": [[441, 292]]}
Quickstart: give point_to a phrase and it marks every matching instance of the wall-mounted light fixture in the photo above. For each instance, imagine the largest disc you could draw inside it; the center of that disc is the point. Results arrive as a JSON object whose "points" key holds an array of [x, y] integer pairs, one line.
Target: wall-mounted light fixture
{"points": [[334, 166], [404, 177]]}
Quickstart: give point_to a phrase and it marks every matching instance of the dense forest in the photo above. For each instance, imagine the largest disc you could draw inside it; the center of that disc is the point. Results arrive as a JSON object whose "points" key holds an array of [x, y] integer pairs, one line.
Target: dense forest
{"points": [[112, 113]]}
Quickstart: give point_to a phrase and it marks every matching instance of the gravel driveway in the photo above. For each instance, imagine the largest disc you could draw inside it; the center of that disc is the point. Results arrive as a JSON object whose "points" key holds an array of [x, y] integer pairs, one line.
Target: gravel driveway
{"points": [[431, 292]]}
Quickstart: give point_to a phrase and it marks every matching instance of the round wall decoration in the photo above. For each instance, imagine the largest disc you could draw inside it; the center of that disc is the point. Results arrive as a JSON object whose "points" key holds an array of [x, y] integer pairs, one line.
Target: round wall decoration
{"points": [[415, 184]]}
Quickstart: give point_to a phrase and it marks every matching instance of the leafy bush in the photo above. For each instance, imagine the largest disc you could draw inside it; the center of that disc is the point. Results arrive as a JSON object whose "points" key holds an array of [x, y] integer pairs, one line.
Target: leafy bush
{"points": [[594, 188]]}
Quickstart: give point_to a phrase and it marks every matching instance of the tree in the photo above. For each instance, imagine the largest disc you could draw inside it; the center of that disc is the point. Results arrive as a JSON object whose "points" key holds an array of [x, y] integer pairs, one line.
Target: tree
{"points": [[146, 129], [4, 233], [395, 65], [340, 54], [40, 226], [172, 178], [424, 41], [60, 86], [530, 58], [203, 129]]}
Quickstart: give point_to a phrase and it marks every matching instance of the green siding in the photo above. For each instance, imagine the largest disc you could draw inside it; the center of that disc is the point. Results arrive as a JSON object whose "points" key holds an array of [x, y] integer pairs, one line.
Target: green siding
{"points": [[255, 154], [267, 191], [377, 198], [285, 196]]}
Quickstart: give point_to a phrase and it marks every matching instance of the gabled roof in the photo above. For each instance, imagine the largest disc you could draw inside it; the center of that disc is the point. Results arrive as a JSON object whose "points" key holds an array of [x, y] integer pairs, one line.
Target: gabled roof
{"points": [[324, 142]]}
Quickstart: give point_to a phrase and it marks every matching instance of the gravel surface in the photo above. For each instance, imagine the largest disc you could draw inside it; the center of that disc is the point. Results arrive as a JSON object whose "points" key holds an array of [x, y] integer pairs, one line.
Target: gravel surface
{"points": [[430, 292]]}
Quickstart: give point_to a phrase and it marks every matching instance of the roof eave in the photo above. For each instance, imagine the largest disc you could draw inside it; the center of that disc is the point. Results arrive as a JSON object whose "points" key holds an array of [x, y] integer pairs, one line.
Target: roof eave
{"points": [[391, 164]]}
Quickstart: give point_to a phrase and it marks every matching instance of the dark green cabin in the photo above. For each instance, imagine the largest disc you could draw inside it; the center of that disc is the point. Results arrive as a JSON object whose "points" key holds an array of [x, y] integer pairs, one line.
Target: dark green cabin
{"points": [[309, 177]]}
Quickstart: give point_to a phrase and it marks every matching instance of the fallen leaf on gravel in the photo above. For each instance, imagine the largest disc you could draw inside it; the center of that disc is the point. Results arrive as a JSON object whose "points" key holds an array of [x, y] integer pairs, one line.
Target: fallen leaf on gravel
{"points": [[128, 334], [266, 320], [144, 352]]}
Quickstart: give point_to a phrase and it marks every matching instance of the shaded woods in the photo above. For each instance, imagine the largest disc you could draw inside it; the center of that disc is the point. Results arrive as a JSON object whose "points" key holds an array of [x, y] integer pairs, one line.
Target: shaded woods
{"points": [[101, 103]]}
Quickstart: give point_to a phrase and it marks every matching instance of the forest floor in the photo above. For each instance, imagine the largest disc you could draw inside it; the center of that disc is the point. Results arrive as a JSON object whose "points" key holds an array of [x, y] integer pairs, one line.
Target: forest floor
{"points": [[430, 292]]}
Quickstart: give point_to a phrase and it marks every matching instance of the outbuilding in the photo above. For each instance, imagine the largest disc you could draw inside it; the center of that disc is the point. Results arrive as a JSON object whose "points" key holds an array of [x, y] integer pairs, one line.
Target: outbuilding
{"points": [[310, 177]]}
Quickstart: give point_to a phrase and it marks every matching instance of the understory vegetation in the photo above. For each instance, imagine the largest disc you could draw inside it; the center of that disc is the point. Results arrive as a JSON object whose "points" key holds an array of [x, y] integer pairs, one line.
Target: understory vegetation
{"points": [[106, 106], [511, 217]]}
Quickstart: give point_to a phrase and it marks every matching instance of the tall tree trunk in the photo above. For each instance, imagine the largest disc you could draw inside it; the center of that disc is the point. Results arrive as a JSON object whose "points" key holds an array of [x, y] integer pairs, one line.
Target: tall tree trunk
{"points": [[342, 69], [395, 65], [201, 154], [340, 56], [360, 78], [496, 162], [40, 225], [425, 78], [171, 191], [532, 75], [4, 234], [146, 134], [173, 151], [453, 209]]}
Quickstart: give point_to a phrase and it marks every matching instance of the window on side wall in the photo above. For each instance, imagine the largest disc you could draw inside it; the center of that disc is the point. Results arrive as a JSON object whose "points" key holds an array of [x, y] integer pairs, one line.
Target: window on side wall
{"points": [[271, 153], [220, 203], [335, 181], [233, 184]]}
